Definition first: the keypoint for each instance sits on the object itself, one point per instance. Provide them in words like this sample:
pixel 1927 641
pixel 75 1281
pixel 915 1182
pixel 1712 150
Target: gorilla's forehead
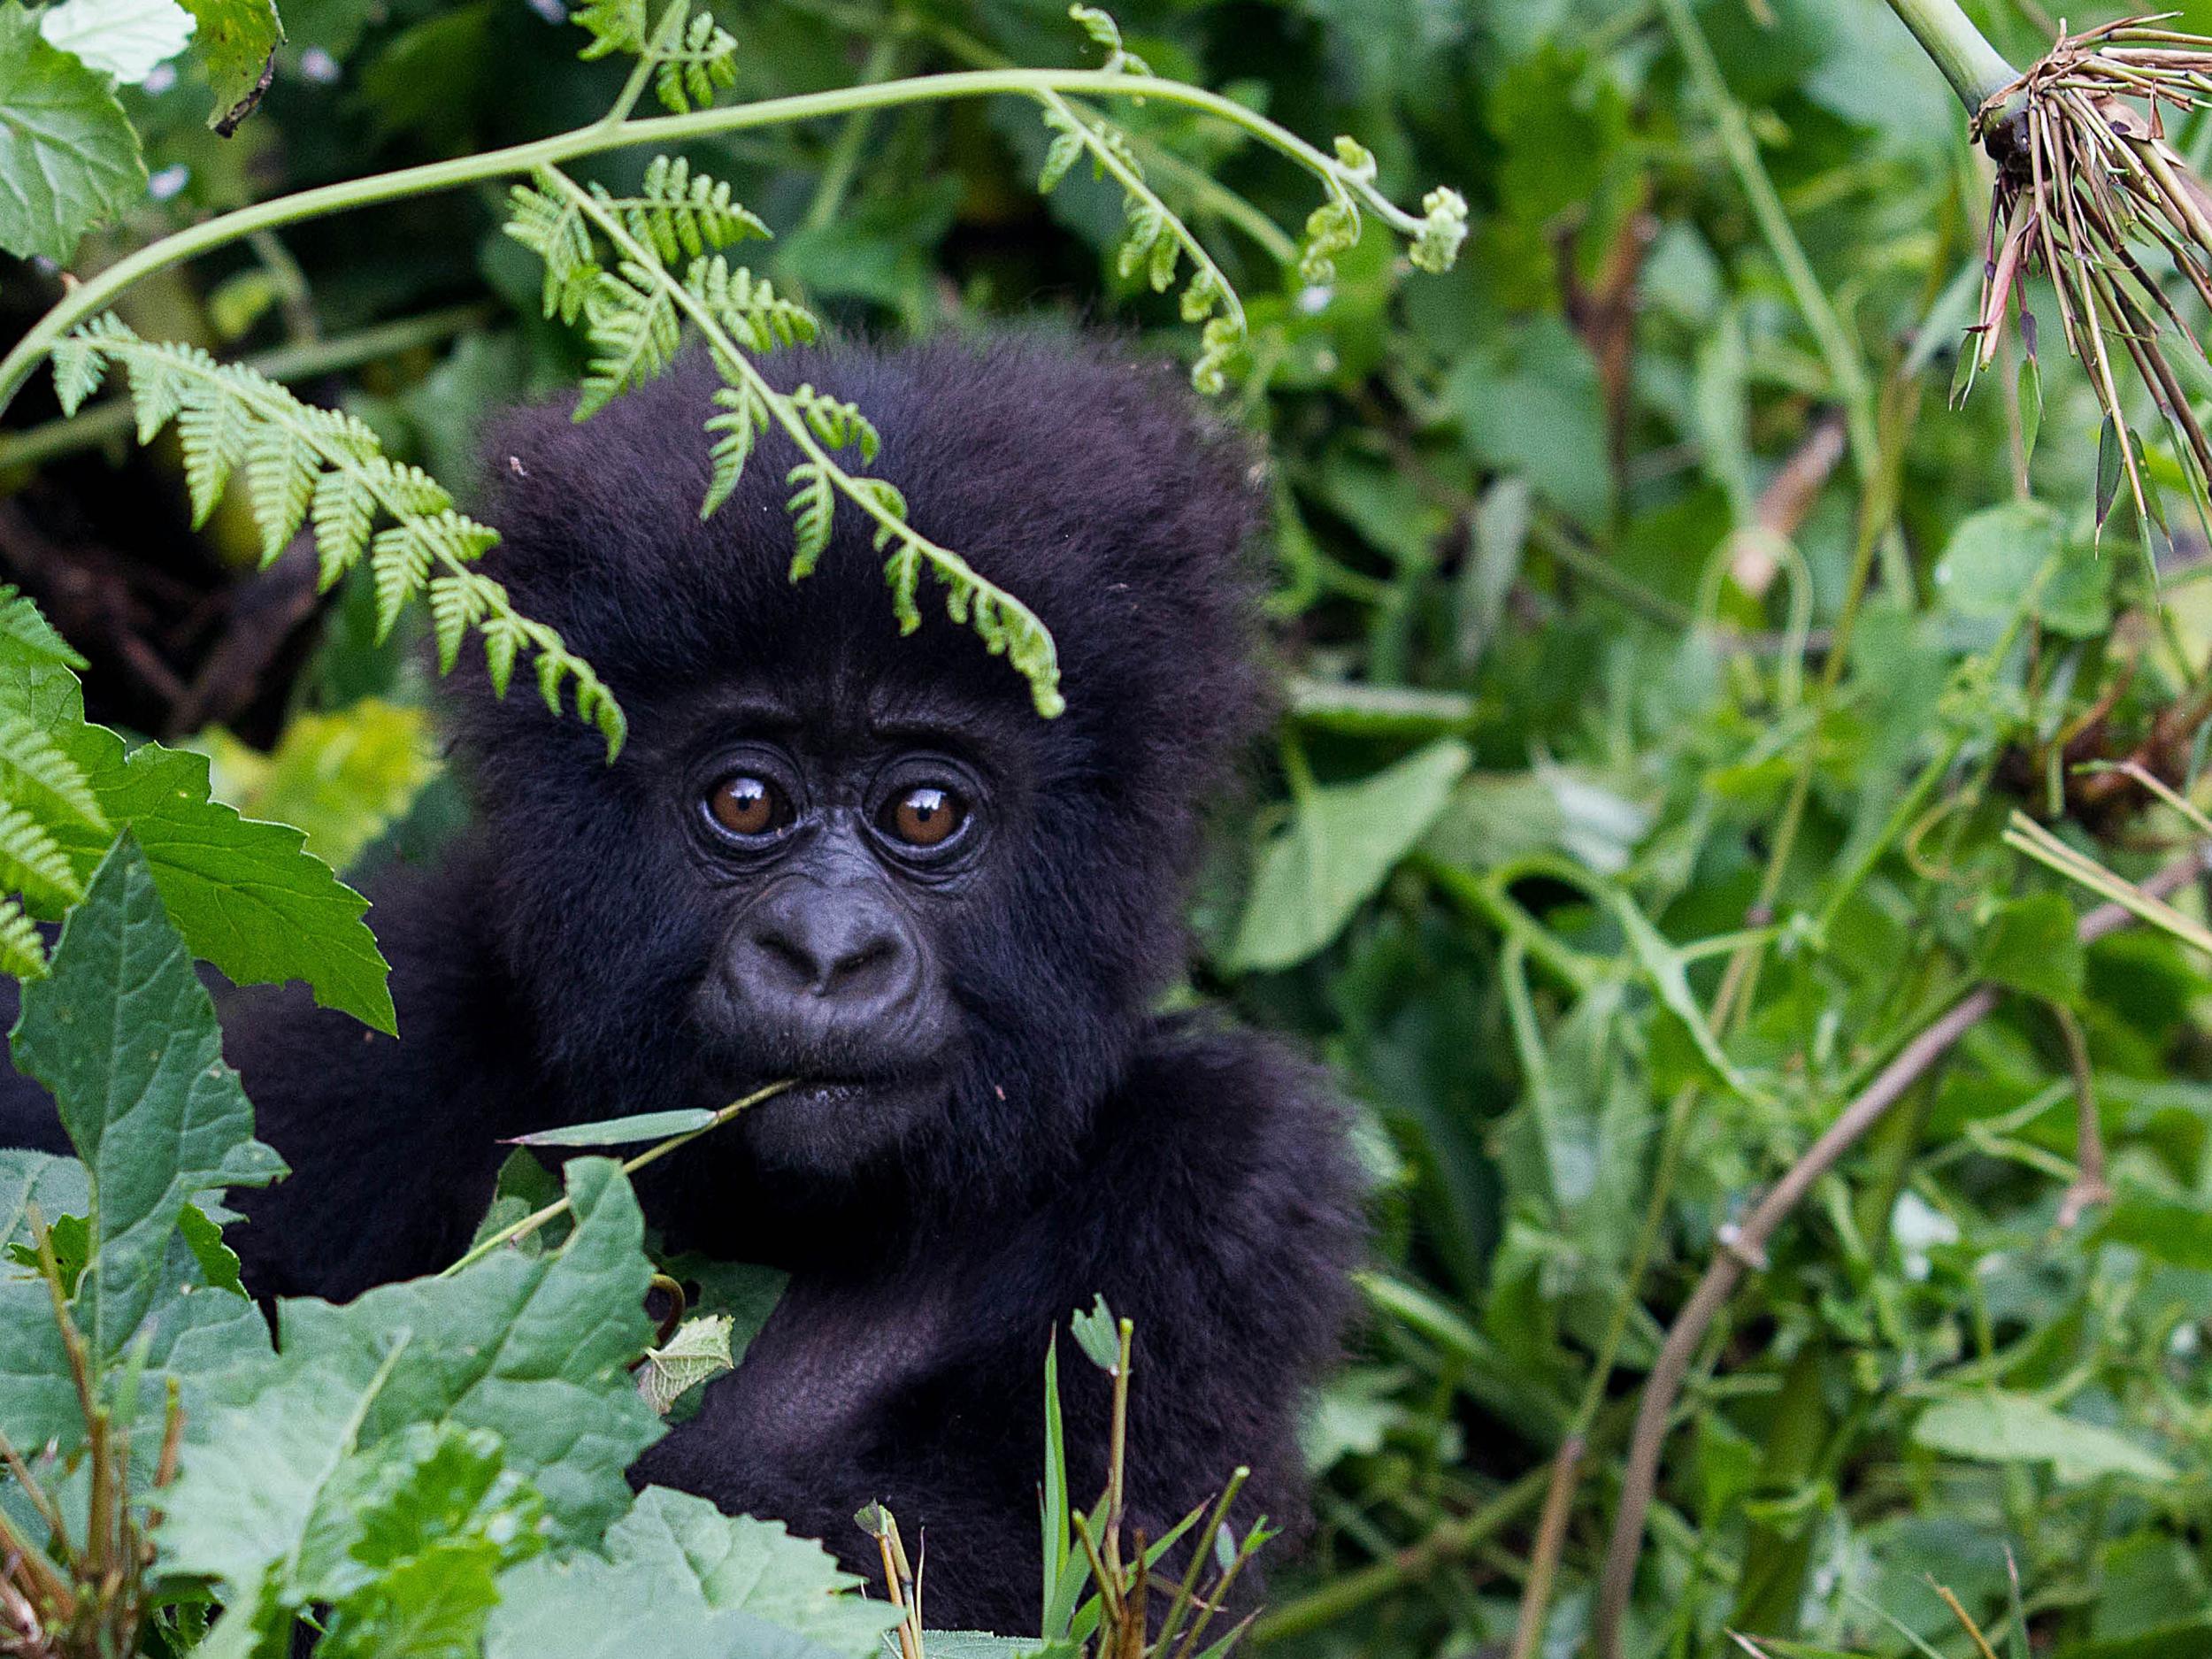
pixel 837 711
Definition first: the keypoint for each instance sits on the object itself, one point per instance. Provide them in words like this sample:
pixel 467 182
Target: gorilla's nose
pixel 824 956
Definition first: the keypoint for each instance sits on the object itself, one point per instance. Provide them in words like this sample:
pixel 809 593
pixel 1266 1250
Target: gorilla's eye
pixel 924 816
pixel 745 804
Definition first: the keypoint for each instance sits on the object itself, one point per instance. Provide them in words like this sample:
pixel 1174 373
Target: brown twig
pixel 1747 1244
pixel 2088 1186
pixel 1551 1538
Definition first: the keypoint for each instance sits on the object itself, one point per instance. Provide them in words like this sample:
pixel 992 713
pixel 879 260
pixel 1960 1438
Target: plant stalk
pixel 1975 68
pixel 94 294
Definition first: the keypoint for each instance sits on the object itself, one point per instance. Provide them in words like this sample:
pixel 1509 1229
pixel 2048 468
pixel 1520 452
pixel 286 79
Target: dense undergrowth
pixel 1688 715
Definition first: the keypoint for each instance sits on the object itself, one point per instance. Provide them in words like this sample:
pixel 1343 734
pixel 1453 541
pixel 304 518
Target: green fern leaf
pixel 454 607
pixel 616 25
pixel 837 423
pixel 216 431
pixel 679 214
pixel 553 228
pixel 22 952
pixel 1066 149
pixel 33 863
pixel 812 509
pixel 743 419
pixel 693 73
pixel 36 771
pixel 280 474
pixel 503 638
pixel 78 369
pixel 634 324
pixel 345 506
pixel 399 564
pixel 747 306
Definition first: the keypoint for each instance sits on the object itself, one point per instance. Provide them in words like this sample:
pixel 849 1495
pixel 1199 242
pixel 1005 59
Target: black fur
pixel 545 973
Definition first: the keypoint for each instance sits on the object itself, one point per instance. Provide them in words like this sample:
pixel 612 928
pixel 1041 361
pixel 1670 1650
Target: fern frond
pixel 345 507
pixel 836 422
pixel 633 322
pixel 214 431
pixel 744 416
pixel 813 509
pixel 1157 242
pixel 280 480
pixel 1103 31
pixel 679 214
pixel 31 763
pixel 77 370
pixel 325 467
pixel 553 228
pixel 32 861
pixel 739 314
pixel 747 306
pixel 692 73
pixel 22 952
pixel 616 25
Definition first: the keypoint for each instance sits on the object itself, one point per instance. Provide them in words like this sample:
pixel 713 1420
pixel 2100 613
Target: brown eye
pixel 747 805
pixel 924 816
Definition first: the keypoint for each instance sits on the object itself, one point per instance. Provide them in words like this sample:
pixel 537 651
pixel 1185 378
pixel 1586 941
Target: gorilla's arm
pixel 1216 1208
pixel 392 1145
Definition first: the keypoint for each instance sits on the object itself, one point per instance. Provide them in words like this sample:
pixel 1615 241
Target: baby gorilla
pixel 859 859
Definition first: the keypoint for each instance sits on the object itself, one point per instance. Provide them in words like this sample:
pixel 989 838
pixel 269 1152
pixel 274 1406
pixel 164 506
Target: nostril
pixel 789 955
pixel 857 967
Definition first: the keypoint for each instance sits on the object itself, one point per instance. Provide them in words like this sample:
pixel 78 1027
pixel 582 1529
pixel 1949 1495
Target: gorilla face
pixel 839 859
pixel 845 849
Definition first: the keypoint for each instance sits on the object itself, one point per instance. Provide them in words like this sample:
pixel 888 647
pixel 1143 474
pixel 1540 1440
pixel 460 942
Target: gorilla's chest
pixel 830 1360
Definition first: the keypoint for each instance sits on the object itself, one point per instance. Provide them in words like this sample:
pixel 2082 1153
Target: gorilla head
pixel 840 854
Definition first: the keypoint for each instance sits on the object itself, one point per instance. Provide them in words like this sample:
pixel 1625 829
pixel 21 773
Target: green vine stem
pixel 93 294
pixel 1975 68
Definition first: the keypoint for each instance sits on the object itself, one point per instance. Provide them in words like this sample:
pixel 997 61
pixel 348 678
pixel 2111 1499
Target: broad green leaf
pixel 124 1034
pixel 2190 1640
pixel 1342 841
pixel 251 1474
pixel 127 39
pixel 57 1185
pixel 677 1558
pixel 246 895
pixel 535 1349
pixel 68 157
pixel 401 1544
pixel 2165 1230
pixel 2029 946
pixel 2015 1428
pixel 1994 556
pixel 699 1350
pixel 237 40
pixel 975 1644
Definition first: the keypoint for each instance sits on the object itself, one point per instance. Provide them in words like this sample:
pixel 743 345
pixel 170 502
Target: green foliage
pixel 635 307
pixel 307 464
pixel 68 157
pixel 1667 664
pixel 186 1123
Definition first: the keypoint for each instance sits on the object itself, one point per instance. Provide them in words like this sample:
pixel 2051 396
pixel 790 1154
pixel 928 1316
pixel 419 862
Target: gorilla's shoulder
pixel 1249 1139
